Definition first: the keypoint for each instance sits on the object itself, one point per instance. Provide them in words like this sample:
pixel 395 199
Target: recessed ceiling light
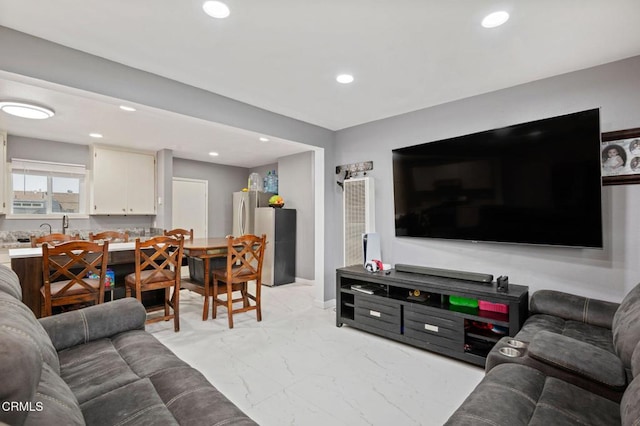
pixel 213 154
pixel 95 135
pixel 24 110
pixel 127 108
pixel 344 78
pixel 216 9
pixel 495 19
pixel 263 139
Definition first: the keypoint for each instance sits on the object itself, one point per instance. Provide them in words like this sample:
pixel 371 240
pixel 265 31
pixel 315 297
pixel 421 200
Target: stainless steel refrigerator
pixel 244 207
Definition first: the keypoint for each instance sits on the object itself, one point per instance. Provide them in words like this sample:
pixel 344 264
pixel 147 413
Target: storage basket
pixel 493 307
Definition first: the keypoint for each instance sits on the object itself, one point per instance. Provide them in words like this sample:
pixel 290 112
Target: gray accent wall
pixel 295 184
pixel 606 274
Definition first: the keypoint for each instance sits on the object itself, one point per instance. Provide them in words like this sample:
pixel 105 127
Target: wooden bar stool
pixel 53 239
pixel 111 236
pixel 158 262
pixel 68 271
pixel 180 232
pixel 244 264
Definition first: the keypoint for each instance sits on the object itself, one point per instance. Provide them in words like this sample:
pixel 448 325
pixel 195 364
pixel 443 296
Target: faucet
pixel 46 224
pixel 65 223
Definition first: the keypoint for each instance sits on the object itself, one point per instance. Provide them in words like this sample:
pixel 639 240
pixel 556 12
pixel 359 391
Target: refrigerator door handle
pixel 241 217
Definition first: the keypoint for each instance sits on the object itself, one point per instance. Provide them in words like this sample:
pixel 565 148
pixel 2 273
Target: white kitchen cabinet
pixel 124 183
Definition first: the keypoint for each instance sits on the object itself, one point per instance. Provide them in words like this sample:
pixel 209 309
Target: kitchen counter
pixel 17 253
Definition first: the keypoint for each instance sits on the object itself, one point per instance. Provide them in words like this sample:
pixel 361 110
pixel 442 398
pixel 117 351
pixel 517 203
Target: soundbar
pixel 446 273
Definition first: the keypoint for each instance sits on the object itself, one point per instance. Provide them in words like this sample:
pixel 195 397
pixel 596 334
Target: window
pixel 43 188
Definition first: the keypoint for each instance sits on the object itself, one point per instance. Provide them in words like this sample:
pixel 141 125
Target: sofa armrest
pixel 572 307
pixel 94 322
pixel 579 358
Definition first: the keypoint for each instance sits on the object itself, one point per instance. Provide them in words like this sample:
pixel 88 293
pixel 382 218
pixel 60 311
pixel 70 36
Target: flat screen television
pixel 530 183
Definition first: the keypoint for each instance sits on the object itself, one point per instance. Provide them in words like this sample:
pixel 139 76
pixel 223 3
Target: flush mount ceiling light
pixel 213 154
pixel 127 108
pixel 495 19
pixel 263 139
pixel 216 9
pixel 344 78
pixel 95 135
pixel 24 110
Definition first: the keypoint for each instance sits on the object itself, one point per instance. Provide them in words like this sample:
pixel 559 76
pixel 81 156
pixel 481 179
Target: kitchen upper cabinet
pixel 124 183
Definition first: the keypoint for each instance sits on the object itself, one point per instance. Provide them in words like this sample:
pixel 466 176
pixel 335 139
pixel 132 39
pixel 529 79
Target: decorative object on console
pixel 621 157
pixel 371 249
pixel 503 284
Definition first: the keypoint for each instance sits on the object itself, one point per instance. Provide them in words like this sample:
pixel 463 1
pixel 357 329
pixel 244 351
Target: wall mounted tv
pixel 530 183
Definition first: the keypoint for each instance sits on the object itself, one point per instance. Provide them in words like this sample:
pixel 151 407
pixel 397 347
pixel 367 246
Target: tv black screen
pixel 530 183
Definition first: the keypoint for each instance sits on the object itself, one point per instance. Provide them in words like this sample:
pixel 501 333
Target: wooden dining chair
pixel 69 269
pixel 180 232
pixel 244 264
pixel 111 236
pixel 157 263
pixel 53 239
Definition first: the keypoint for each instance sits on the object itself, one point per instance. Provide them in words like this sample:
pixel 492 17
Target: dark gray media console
pixel 429 320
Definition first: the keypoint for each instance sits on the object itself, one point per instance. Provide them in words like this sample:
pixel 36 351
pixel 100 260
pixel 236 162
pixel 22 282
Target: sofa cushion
pixel 136 403
pixel 592 334
pixel 54 403
pixel 629 406
pixel 94 369
pixel 101 372
pixel 17 319
pixel 189 397
pixel 10 283
pixel 579 358
pixel 20 369
pixel 512 394
pixel 104 320
pixel 626 326
pixel 573 307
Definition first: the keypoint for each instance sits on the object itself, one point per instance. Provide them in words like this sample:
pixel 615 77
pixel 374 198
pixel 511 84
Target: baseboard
pixel 327 304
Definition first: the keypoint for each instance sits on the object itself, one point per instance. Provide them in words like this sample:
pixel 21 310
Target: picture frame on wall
pixel 620 154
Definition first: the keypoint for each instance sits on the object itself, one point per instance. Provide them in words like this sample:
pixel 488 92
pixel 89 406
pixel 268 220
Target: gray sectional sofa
pixel 575 361
pixel 97 366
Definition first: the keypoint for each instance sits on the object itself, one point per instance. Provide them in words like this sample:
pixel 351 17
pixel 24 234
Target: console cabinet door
pixel 123 182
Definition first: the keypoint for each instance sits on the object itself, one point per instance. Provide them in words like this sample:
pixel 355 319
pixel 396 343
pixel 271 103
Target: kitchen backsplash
pixel 10 239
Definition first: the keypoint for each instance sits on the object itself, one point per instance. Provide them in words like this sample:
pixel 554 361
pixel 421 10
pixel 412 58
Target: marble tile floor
pixel 297 368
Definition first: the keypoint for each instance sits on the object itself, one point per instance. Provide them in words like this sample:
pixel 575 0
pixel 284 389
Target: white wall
pixel 607 274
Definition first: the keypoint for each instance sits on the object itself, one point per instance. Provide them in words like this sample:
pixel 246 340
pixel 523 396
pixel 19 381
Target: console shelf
pixel 386 305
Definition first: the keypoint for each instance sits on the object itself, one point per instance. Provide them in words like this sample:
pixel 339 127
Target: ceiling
pixel 284 55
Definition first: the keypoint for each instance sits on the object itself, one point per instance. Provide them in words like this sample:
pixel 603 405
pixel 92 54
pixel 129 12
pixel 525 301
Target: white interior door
pixel 190 206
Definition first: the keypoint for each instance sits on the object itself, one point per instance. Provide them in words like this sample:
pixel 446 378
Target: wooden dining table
pixel 203 249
